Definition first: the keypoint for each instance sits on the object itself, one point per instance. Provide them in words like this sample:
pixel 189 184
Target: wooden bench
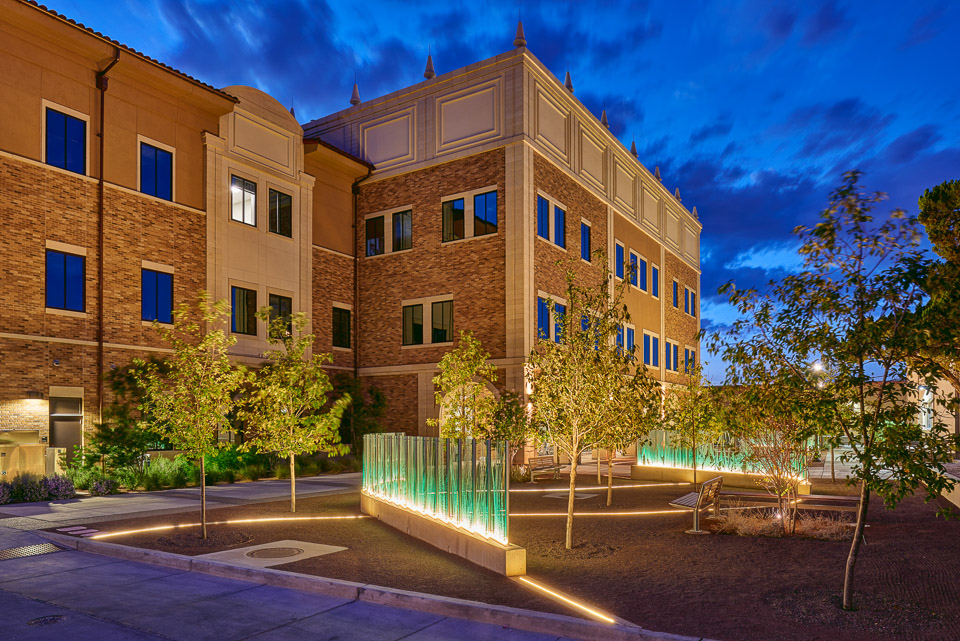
pixel 543 464
pixel 804 501
pixel 708 496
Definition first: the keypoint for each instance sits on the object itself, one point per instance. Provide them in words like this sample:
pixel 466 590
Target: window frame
pixel 83 279
pixel 426 316
pixel 243 210
pixel 254 320
pixel 676 294
pixel 284 296
pixel 689 302
pixel 166 272
pixel 433 322
pixel 469 213
pixel 341 307
pixel 271 192
pixel 73 113
pixel 403 213
pixel 655 280
pixel 496 213
pixel 653 340
pixel 383 235
pixel 671 363
pixel 159 146
pixel 554 206
pixel 586 256
pixel 619 260
pixel 387 215
pixel 552 303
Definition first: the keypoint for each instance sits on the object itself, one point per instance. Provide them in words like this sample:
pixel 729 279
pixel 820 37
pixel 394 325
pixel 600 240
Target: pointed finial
pixel 695 214
pixel 603 119
pixel 633 148
pixel 568 82
pixel 292 112
pixel 520 40
pixel 355 98
pixel 656 173
pixel 429 73
pixel 676 195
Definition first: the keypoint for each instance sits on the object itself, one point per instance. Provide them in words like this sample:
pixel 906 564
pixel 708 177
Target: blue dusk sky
pixel 754 109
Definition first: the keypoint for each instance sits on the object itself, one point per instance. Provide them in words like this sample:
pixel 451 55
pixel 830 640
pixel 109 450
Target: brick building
pixel 393 224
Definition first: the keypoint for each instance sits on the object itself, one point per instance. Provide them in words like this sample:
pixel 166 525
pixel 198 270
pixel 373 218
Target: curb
pixel 517 618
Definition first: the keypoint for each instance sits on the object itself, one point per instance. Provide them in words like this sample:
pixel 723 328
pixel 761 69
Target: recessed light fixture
pixel 35 395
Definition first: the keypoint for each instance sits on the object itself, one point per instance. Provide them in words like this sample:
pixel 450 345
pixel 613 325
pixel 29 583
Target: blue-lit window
pixel 156 172
pixel 655 280
pixel 243 311
pixel 686 300
pixel 666 357
pixel 676 357
pixel 66 142
pixel 452 220
pixel 655 351
pixel 633 269
pixel 543 217
pixel 646 349
pixel 65 281
pixel 642 267
pixel 693 304
pixel 559 227
pixel 675 295
pixel 560 311
pixel 485 214
pixel 630 339
pixel 585 241
pixel 543 319
pixel 157 296
pixel 689 360
pixel 620 339
pixel 618 259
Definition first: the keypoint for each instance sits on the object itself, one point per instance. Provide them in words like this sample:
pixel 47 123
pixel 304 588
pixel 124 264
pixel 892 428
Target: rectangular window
pixel 281 307
pixel 693 304
pixel 619 260
pixel 543 218
pixel 442 321
pixel 66 142
pixel 655 281
pixel 543 319
pixel 375 236
pixel 633 269
pixel 453 220
pixel 244 198
pixel 156 171
pixel 65 281
pixel 341 327
pixel 585 241
pixel 620 339
pixel 675 299
pixel 157 296
pixel 689 360
pixel 655 351
pixel 485 214
pixel 281 213
pixel 642 266
pixel 413 325
pixel 559 311
pixel 646 349
pixel 243 316
pixel 676 357
pixel 686 300
pixel 402 230
pixel 666 357
pixel 630 339
pixel 559 227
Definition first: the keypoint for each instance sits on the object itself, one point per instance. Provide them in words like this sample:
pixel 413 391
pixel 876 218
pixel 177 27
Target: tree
pixel 512 421
pixel 691 411
pixel 361 414
pixel 188 401
pixel 467 406
pixel 940 214
pixel 850 306
pixel 285 410
pixel 584 384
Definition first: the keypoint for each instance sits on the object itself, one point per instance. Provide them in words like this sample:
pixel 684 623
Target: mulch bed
pixel 645 569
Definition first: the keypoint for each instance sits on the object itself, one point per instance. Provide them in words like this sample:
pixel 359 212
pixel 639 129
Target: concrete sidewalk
pixel 36 516
pixel 76 595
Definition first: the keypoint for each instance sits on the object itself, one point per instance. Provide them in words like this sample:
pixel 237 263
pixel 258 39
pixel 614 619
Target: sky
pixel 753 109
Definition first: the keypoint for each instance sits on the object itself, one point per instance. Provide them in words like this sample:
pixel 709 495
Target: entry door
pixel 66 433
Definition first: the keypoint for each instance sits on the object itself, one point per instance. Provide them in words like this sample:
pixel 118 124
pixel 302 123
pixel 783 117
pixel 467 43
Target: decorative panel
pixel 391 140
pixel 551 124
pixel 261 141
pixel 469 116
pixel 651 209
pixel 673 228
pixel 691 242
pixel 591 159
pixel 624 187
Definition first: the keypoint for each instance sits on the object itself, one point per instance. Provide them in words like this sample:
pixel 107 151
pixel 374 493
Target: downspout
pixel 356 276
pixel 102 86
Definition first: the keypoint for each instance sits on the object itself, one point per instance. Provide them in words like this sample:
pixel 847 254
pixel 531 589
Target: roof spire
pixel 429 73
pixel 520 40
pixel 292 112
pixel 695 215
pixel 656 173
pixel 355 98
pixel 633 148
pixel 676 195
pixel 568 82
pixel 603 119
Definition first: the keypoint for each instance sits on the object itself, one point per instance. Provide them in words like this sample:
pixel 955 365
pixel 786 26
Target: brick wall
pixel 332 282
pixel 400 393
pixel 680 327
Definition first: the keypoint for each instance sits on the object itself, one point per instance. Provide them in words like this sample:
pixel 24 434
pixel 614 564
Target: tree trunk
pixel 855 547
pixel 596 458
pixel 573 491
pixel 203 498
pixel 609 480
pixel 293 486
pixel 833 476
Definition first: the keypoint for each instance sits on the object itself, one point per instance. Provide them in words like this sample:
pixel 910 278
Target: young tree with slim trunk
pixel 188 400
pixel 691 410
pixel 286 410
pixel 467 405
pixel 851 307
pixel 583 384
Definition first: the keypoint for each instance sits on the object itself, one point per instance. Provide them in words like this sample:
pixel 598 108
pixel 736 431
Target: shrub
pixel 104 487
pixel 59 488
pixel 27 488
pixel 82 477
pixel 826 528
pixel 4 493
pixel 254 472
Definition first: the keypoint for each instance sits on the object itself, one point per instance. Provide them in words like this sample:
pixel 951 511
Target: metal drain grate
pixel 273 553
pixel 28 550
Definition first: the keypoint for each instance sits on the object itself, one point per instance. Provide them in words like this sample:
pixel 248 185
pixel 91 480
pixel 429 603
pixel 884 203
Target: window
pixel 402 230
pixel 620 339
pixel 543 218
pixel 655 281
pixel 413 325
pixel 619 259
pixel 157 296
pixel 689 360
pixel 243 312
pixel 560 312
pixel 375 236
pixel 65 281
pixel 633 269
pixel 585 250
pixel 453 220
pixel 693 304
pixel 244 195
pixel 442 321
pixel 341 327
pixel 676 357
pixel 543 319
pixel 156 171
pixel 281 307
pixel 66 142
pixel 643 274
pixel 690 302
pixel 485 214
pixel 559 227
pixel 686 300
pixel 667 362
pixel 630 339
pixel 654 360
pixel 646 348
pixel 675 303
pixel 281 213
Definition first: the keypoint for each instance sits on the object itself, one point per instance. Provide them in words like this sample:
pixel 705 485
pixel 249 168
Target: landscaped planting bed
pixel 644 568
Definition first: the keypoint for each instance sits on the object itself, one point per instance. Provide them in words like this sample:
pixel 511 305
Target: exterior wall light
pixel 35 396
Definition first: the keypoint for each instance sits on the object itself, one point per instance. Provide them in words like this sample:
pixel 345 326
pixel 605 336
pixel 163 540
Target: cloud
pixel 925 28
pixel 909 145
pixel 779 23
pixel 716 129
pixel 624 113
pixel 827 20
pixel 848 124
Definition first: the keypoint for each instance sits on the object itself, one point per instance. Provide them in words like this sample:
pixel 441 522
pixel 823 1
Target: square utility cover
pixel 269 554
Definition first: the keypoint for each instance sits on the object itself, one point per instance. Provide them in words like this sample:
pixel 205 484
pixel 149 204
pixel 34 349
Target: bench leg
pixel 696 524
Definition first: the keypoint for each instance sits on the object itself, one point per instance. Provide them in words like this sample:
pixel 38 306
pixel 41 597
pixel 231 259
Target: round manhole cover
pixel 47 620
pixel 273 553
pixel 566 495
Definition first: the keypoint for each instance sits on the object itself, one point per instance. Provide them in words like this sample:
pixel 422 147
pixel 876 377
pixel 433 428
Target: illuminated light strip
pixel 714 469
pixel 463 525
pixel 599 487
pixel 161 528
pixel 601 513
pixel 580 606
